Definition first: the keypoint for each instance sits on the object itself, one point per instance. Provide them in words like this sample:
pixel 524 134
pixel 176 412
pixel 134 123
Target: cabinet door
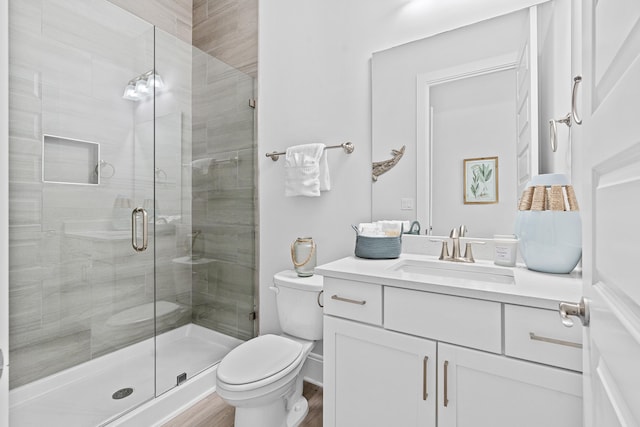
pixel 482 389
pixel 374 377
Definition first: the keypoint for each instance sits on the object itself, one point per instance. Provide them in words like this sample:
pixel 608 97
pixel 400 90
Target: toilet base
pixel 272 415
pixel 298 412
pixel 286 411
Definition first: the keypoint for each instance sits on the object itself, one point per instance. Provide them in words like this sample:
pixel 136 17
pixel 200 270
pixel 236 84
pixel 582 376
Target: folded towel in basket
pixel 383 228
pixel 306 170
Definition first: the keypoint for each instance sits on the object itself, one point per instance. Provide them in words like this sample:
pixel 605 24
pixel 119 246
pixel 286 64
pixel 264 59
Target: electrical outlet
pixel 406 204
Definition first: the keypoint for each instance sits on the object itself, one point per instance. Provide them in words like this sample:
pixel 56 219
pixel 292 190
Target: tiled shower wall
pixel 228 30
pixel 172 16
pixel 70 270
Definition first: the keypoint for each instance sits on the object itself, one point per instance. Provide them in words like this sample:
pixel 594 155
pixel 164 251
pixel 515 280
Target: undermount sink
pixel 455 270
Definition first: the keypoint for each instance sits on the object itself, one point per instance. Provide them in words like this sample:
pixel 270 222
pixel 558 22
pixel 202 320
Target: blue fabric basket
pixel 377 247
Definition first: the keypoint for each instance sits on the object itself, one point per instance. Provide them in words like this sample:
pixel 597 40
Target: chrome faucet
pixel 455 255
pixel 455 239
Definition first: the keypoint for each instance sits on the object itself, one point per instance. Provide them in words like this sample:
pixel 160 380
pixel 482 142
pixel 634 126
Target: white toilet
pixel 263 377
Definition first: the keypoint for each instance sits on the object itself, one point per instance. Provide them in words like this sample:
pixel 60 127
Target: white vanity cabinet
pixel 406 357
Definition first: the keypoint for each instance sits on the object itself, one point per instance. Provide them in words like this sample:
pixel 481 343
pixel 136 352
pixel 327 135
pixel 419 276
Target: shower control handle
pixel 134 229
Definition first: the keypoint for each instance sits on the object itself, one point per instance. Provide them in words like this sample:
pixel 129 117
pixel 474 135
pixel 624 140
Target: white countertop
pixel 531 288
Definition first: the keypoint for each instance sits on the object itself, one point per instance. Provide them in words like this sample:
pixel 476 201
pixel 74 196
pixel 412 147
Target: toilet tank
pixel 298 302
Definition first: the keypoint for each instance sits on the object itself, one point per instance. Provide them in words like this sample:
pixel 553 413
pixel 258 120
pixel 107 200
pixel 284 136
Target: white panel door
pixel 4 214
pixel 377 378
pixel 610 149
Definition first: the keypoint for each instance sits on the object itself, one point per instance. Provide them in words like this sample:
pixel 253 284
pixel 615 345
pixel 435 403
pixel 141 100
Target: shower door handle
pixel 134 229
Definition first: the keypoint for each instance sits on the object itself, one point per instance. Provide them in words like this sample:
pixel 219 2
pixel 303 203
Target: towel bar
pixel 348 148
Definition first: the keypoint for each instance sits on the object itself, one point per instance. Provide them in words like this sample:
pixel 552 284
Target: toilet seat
pixel 260 361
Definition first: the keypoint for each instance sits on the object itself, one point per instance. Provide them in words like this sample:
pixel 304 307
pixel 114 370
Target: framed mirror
pixel 467 93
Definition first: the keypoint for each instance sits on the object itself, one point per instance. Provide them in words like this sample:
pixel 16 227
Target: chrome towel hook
pixel 553 130
pixel 574 100
pixel 98 170
pixel 571 117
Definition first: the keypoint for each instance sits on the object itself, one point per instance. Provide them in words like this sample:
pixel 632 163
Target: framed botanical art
pixel 481 180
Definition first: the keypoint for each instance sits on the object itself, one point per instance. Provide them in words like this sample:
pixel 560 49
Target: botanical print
pixel 481 180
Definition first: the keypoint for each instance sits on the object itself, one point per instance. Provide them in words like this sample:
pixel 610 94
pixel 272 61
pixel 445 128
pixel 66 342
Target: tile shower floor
pixel 82 396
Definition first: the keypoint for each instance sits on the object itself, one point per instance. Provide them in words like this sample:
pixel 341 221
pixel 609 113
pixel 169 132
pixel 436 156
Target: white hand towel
pixel 369 229
pixel 393 227
pixel 302 170
pixel 325 181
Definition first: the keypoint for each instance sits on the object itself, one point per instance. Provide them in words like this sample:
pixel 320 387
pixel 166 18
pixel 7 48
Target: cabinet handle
pixel 424 378
pixel 446 394
pixel 535 337
pixel 351 301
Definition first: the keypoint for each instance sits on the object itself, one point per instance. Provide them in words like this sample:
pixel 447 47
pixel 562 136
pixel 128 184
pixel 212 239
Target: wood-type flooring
pixel 212 411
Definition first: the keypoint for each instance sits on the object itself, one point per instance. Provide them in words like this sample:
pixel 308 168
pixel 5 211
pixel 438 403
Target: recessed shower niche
pixel 70 161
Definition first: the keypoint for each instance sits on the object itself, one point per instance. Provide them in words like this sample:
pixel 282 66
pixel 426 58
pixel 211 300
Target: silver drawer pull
pixel 446 383
pixel 425 393
pixel 535 337
pixel 351 301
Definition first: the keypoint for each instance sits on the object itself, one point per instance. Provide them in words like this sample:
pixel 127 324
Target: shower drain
pixel 122 393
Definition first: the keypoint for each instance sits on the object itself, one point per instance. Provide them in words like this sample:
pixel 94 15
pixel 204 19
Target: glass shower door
pixel 205 211
pixel 81 274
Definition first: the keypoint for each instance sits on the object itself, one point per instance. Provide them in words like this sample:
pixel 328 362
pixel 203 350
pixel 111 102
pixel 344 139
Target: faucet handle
pixel 468 255
pixel 444 252
pixel 463 230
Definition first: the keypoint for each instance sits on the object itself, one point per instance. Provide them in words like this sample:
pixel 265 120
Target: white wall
pixel 314 86
pixel 474 118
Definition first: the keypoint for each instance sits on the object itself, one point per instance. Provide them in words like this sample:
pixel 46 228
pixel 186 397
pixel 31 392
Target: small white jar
pixel 506 249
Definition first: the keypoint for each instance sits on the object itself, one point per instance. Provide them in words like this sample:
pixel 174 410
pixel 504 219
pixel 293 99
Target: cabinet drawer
pixel 464 321
pixel 539 335
pixel 353 300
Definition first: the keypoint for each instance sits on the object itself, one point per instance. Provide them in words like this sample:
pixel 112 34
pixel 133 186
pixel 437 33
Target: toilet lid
pixel 290 279
pixel 258 358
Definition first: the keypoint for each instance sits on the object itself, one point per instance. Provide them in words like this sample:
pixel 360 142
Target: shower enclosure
pixel 132 212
